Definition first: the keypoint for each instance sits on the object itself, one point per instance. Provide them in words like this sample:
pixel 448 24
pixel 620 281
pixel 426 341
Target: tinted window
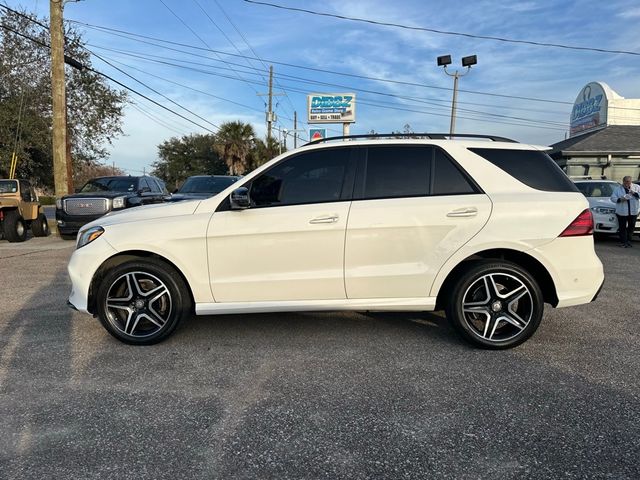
pixel 311 177
pixel 144 184
pixel 596 189
pixel 8 186
pixel 153 185
pixel 118 184
pixel 447 177
pixel 533 168
pixel 161 184
pixel 397 171
pixel 206 184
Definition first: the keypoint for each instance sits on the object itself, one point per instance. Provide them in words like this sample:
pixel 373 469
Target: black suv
pixel 104 194
pixel 199 187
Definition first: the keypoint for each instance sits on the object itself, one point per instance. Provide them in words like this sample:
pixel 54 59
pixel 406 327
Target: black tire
pixel 14 227
pixel 495 304
pixel 147 300
pixel 40 226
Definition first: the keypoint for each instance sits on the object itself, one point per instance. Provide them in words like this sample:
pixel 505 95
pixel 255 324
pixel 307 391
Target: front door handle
pixel 324 219
pixel 463 212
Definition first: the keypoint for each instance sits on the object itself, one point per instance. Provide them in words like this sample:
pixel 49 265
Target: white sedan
pixel 598 193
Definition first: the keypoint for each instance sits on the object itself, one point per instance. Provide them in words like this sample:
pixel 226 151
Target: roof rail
pixel 432 136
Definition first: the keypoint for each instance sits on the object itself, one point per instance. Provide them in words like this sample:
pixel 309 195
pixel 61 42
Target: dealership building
pixel 604 136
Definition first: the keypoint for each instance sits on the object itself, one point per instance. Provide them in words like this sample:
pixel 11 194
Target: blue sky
pixel 300 39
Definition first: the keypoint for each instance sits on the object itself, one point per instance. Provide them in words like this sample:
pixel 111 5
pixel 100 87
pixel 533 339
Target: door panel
pixel 395 247
pixel 282 253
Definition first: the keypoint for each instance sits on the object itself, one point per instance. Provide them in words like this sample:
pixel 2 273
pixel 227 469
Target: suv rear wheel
pixel 495 304
pixel 14 228
pixel 141 302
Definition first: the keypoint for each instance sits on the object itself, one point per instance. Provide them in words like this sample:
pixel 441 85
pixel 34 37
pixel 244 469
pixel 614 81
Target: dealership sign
pixel 331 108
pixel 590 109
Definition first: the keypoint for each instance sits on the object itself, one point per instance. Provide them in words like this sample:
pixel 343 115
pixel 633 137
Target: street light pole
pixel 467 62
pixel 454 102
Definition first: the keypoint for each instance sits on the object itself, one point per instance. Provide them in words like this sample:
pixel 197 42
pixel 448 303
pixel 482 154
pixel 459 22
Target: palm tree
pixel 263 151
pixel 234 142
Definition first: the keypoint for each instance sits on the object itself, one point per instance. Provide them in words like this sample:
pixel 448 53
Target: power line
pixel 42 44
pixel 444 32
pixel 161 59
pixel 154 90
pixel 157 120
pixel 244 39
pixel 340 86
pixel 137 37
pixel 199 37
pixel 182 85
pixel 347 87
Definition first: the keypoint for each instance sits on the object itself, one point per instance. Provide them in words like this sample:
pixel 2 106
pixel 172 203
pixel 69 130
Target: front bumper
pixel 82 267
pixel 605 223
pixel 71 224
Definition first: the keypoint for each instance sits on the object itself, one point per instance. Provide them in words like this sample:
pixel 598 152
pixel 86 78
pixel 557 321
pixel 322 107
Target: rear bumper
pixel 598 292
pixel 576 270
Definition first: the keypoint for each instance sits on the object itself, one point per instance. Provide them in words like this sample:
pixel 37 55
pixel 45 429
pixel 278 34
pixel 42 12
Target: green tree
pixel 194 154
pixel 262 152
pixel 94 109
pixel 234 143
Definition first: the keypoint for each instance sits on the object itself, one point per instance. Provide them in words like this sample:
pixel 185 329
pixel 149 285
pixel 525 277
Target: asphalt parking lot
pixel 328 395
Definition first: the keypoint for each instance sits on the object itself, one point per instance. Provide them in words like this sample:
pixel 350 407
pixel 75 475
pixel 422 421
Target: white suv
pixel 487 230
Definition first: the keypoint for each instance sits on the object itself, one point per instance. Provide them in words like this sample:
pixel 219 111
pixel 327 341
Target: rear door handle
pixel 463 212
pixel 324 219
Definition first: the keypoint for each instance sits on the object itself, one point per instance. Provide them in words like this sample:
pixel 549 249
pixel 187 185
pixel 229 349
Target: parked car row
pixel 103 195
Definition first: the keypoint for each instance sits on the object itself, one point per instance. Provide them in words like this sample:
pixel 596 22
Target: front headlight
pixel 59 203
pixel 604 210
pixel 119 202
pixel 88 236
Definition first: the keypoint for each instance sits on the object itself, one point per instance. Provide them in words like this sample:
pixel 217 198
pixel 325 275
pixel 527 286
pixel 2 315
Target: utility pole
pixel 295 129
pixel 271 116
pixel 270 111
pixel 60 169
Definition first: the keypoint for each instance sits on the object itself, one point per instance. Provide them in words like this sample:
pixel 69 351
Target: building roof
pixel 614 139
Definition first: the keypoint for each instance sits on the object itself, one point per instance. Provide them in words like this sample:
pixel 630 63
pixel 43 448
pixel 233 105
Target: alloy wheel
pixel 497 307
pixel 138 304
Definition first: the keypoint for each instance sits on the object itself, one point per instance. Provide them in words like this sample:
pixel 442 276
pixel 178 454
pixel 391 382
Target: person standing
pixel 627 200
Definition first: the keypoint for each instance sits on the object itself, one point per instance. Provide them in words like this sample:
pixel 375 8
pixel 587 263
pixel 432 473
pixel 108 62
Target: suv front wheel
pixel 141 302
pixel 495 304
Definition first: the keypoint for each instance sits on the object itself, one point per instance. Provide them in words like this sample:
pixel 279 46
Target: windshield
pixel 8 186
pixel 209 185
pixel 597 189
pixel 111 185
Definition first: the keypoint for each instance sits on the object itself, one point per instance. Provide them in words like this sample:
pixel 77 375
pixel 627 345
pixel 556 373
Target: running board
pixel 373 304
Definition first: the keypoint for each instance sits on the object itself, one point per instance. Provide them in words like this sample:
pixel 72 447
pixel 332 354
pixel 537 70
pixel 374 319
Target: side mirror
pixel 239 199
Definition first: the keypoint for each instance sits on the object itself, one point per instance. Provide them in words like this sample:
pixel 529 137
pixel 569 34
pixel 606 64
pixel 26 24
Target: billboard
pixel 331 108
pixel 589 110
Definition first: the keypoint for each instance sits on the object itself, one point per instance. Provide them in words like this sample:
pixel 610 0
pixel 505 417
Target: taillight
pixel 582 225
